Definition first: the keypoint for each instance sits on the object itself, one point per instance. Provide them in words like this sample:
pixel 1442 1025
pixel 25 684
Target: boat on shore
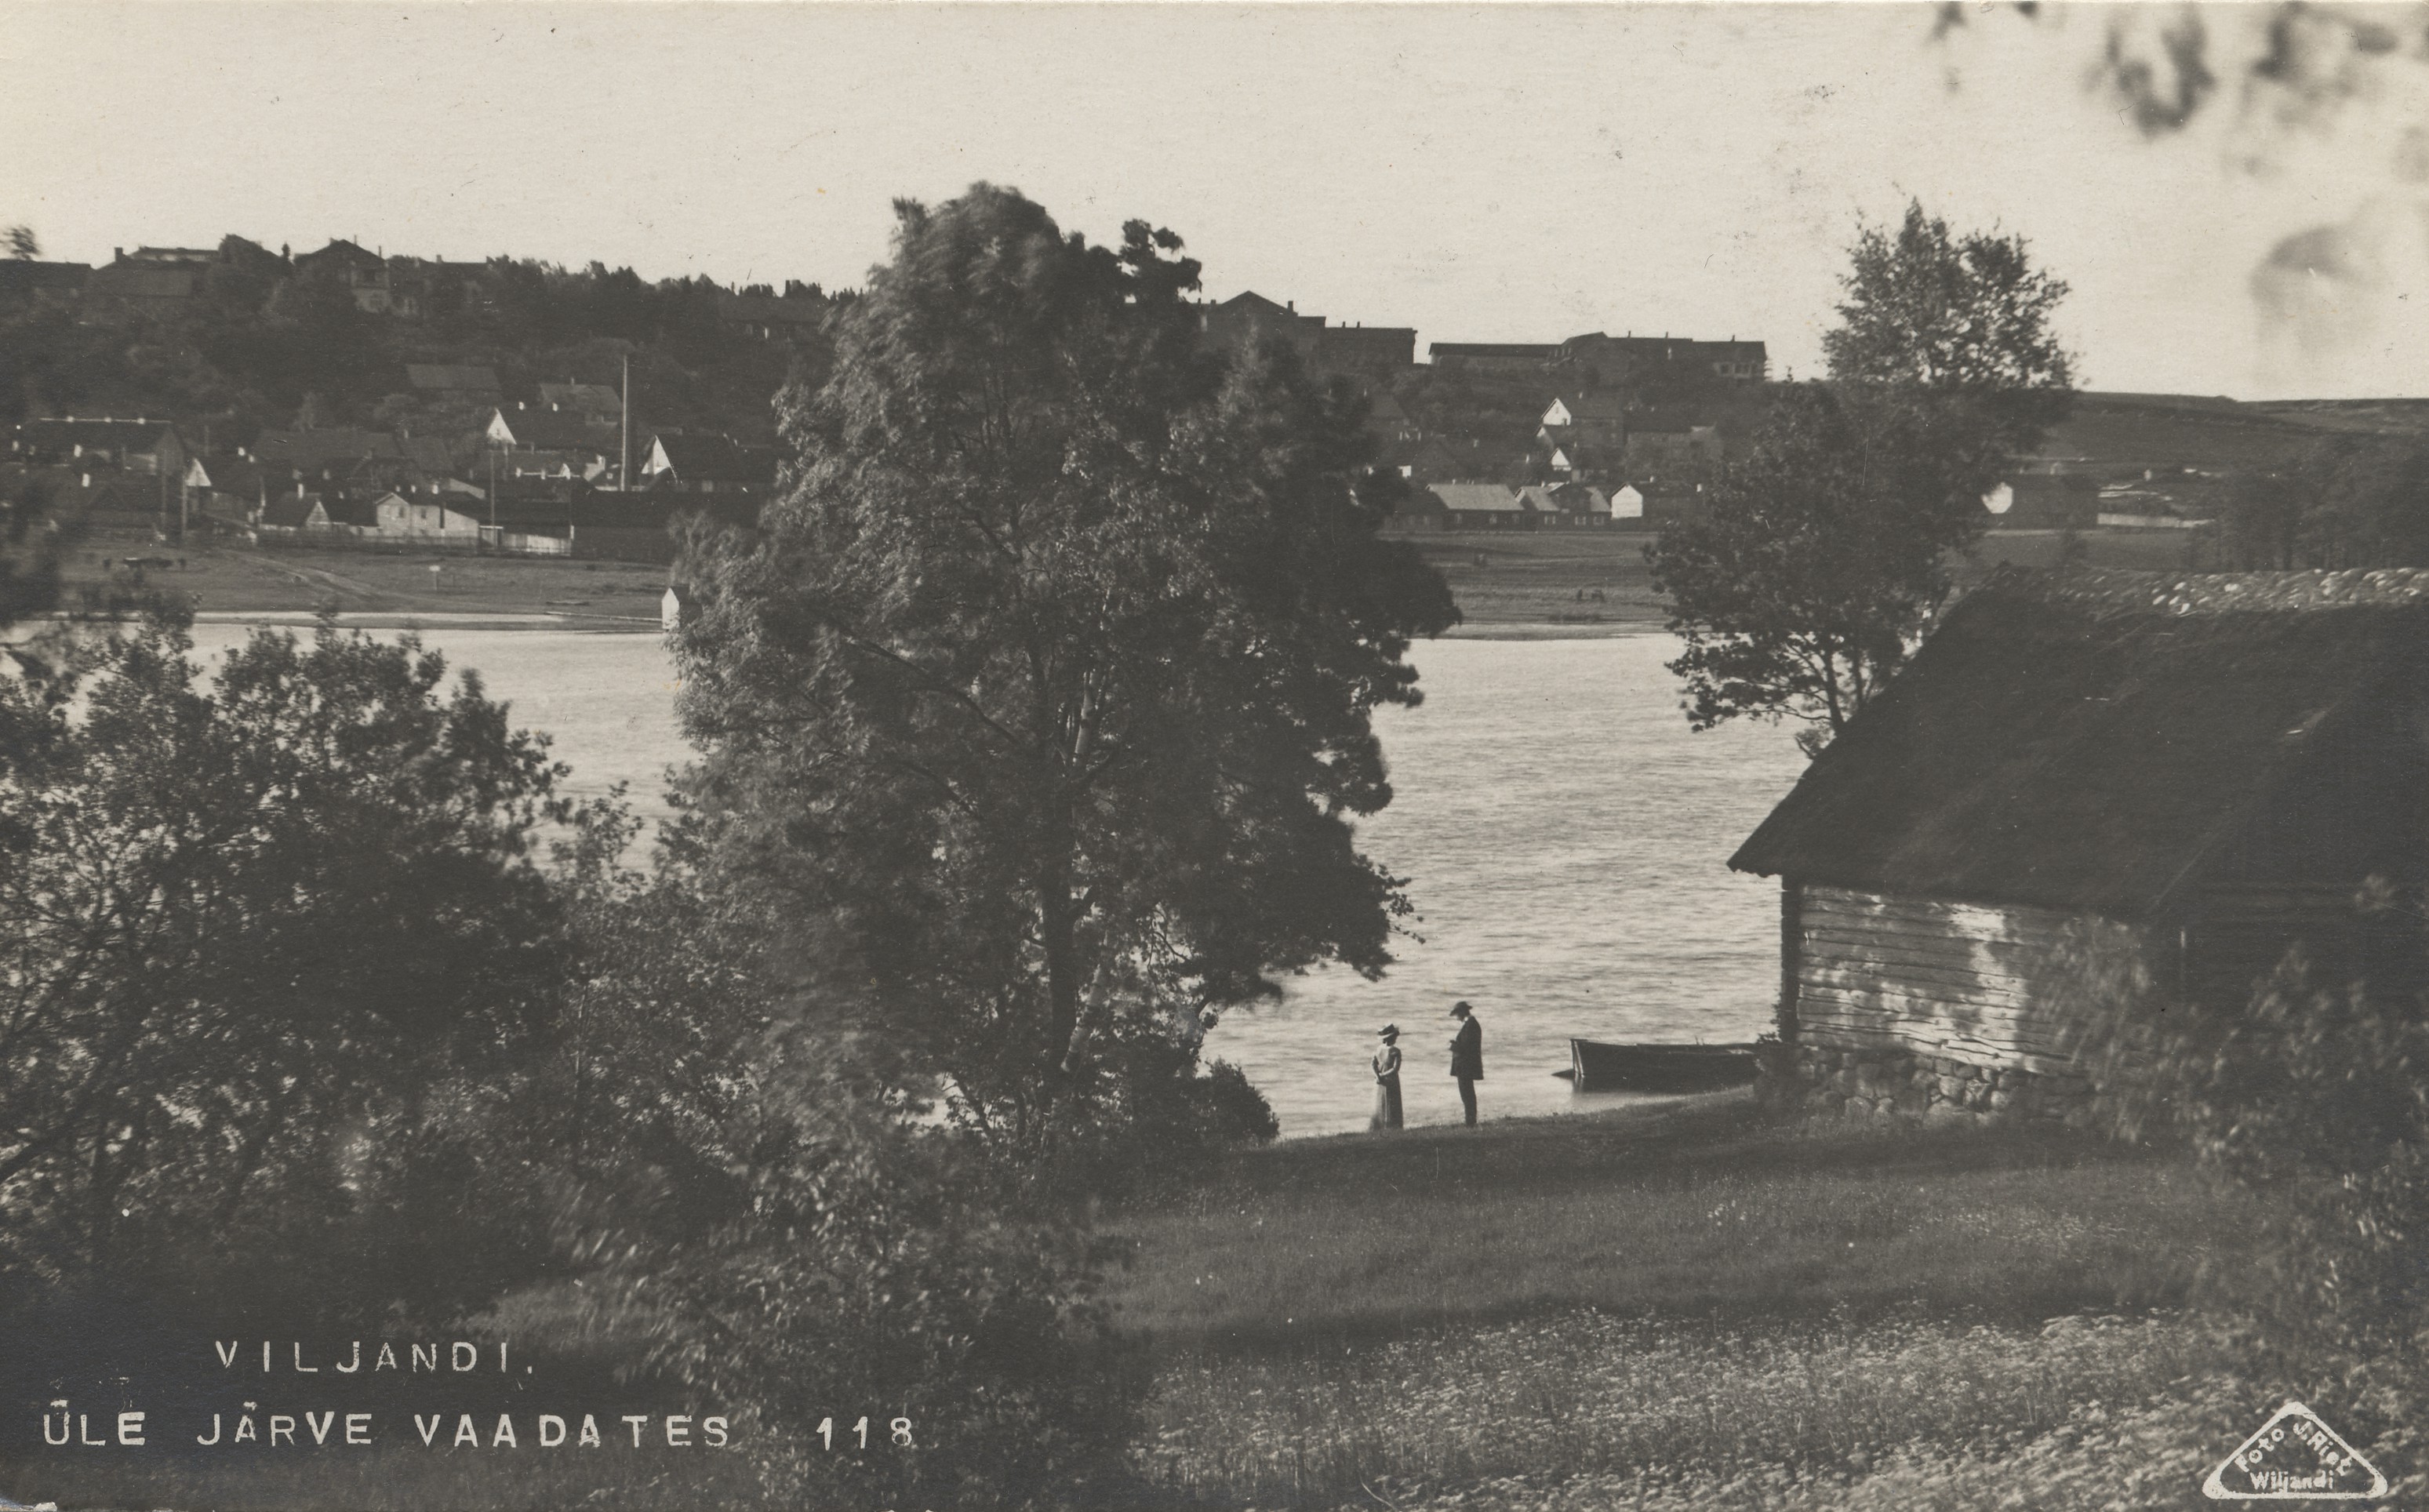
pixel 1598 1066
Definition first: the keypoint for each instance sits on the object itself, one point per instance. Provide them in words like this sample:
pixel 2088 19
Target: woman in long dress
pixel 1387 1080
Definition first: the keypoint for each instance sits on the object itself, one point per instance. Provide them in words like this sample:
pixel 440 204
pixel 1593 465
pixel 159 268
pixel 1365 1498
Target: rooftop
pixel 2085 742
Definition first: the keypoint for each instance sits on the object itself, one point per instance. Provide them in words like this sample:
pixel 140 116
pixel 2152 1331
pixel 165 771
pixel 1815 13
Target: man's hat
pixel 1389 1029
pixel 1459 1007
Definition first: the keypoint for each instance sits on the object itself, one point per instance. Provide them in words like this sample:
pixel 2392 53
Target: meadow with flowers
pixel 1684 1306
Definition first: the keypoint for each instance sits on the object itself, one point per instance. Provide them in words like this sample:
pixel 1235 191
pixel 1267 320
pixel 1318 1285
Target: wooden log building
pixel 2104 796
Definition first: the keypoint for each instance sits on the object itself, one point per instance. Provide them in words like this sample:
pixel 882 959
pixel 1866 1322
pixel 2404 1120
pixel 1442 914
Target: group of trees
pixel 1032 730
pixel 260 337
pixel 2355 501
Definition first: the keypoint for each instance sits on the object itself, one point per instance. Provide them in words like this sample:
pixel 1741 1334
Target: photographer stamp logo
pixel 2295 1457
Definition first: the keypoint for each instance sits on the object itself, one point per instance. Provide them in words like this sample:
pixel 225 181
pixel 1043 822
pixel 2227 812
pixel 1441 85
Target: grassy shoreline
pixel 1674 1308
pixel 1677 1307
pixel 1518 584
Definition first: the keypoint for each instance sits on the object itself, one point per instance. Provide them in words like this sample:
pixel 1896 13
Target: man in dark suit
pixel 1467 1057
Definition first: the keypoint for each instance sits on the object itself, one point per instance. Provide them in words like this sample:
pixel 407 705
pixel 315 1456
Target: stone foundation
pixel 1905 1085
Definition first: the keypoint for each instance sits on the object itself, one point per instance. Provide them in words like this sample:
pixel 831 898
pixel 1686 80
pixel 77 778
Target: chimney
pixel 118 254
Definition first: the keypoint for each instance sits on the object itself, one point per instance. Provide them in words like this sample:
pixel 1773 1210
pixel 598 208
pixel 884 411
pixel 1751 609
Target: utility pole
pixel 625 462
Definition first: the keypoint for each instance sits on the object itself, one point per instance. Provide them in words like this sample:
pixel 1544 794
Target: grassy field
pixel 1685 1307
pixel 1670 1308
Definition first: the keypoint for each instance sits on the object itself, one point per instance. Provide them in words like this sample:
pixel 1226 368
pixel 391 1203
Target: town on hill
pixel 350 397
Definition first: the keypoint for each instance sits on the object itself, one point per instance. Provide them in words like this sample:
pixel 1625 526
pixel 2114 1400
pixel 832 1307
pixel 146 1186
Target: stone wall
pixel 1878 1083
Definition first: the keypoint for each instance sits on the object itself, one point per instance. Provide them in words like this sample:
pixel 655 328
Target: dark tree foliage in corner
pixel 261 935
pixel 1825 553
pixel 1047 690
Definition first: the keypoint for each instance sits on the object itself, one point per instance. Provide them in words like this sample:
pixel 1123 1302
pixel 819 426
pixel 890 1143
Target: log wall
pixel 1914 1007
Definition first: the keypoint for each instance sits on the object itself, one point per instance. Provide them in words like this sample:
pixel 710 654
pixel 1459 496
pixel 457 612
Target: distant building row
pixel 511 486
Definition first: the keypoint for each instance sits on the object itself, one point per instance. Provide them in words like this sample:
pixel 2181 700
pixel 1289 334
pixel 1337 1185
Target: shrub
pixel 2315 1102
pixel 863 1265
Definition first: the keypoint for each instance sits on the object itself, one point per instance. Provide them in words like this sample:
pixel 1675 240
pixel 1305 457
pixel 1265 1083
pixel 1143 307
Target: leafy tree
pixel 1824 552
pixel 24 246
pixel 1824 555
pixel 1965 317
pixel 1045 692
pixel 251 928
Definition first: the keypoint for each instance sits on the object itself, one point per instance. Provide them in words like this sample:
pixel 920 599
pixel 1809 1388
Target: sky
pixel 1503 172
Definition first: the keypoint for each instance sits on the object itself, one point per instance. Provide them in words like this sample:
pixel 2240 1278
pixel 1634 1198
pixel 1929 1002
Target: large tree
pixel 1045 693
pixel 1825 550
pixel 1964 318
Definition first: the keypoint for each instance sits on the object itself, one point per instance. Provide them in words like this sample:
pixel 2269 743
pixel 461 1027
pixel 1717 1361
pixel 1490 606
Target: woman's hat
pixel 1389 1029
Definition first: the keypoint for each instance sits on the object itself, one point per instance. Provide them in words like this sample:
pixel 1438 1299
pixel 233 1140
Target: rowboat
pixel 1597 1066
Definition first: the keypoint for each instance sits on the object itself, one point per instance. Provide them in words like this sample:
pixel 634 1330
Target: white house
pixel 1628 503
pixel 398 517
pixel 1599 417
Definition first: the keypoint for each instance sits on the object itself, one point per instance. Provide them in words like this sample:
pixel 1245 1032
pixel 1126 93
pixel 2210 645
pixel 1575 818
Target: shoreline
pixel 306 618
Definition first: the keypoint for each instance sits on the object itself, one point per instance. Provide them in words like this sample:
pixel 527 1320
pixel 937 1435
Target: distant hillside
pixel 2409 417
pixel 2113 434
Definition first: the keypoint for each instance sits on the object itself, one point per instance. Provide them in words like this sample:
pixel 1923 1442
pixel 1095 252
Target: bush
pixel 266 938
pixel 2315 1103
pixel 762 1219
pixel 865 1266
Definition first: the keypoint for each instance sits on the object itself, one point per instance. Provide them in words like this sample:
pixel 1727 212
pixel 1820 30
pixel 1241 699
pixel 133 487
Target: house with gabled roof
pixel 86 442
pixel 424 515
pixel 2091 800
pixel 116 502
pixel 1482 506
pixel 362 272
pixel 525 428
pixel 595 401
pixel 770 316
pixel 160 281
pixel 1357 350
pixel 1388 420
pixel 291 513
pixel 1492 356
pixel 1597 416
pixel 707 464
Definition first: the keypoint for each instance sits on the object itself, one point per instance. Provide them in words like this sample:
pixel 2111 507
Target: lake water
pixel 1563 832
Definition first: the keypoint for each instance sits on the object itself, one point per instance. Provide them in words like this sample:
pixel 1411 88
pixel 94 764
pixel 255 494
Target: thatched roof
pixel 2085 744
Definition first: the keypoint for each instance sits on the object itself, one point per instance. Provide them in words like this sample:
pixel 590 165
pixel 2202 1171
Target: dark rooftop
pixel 2084 743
